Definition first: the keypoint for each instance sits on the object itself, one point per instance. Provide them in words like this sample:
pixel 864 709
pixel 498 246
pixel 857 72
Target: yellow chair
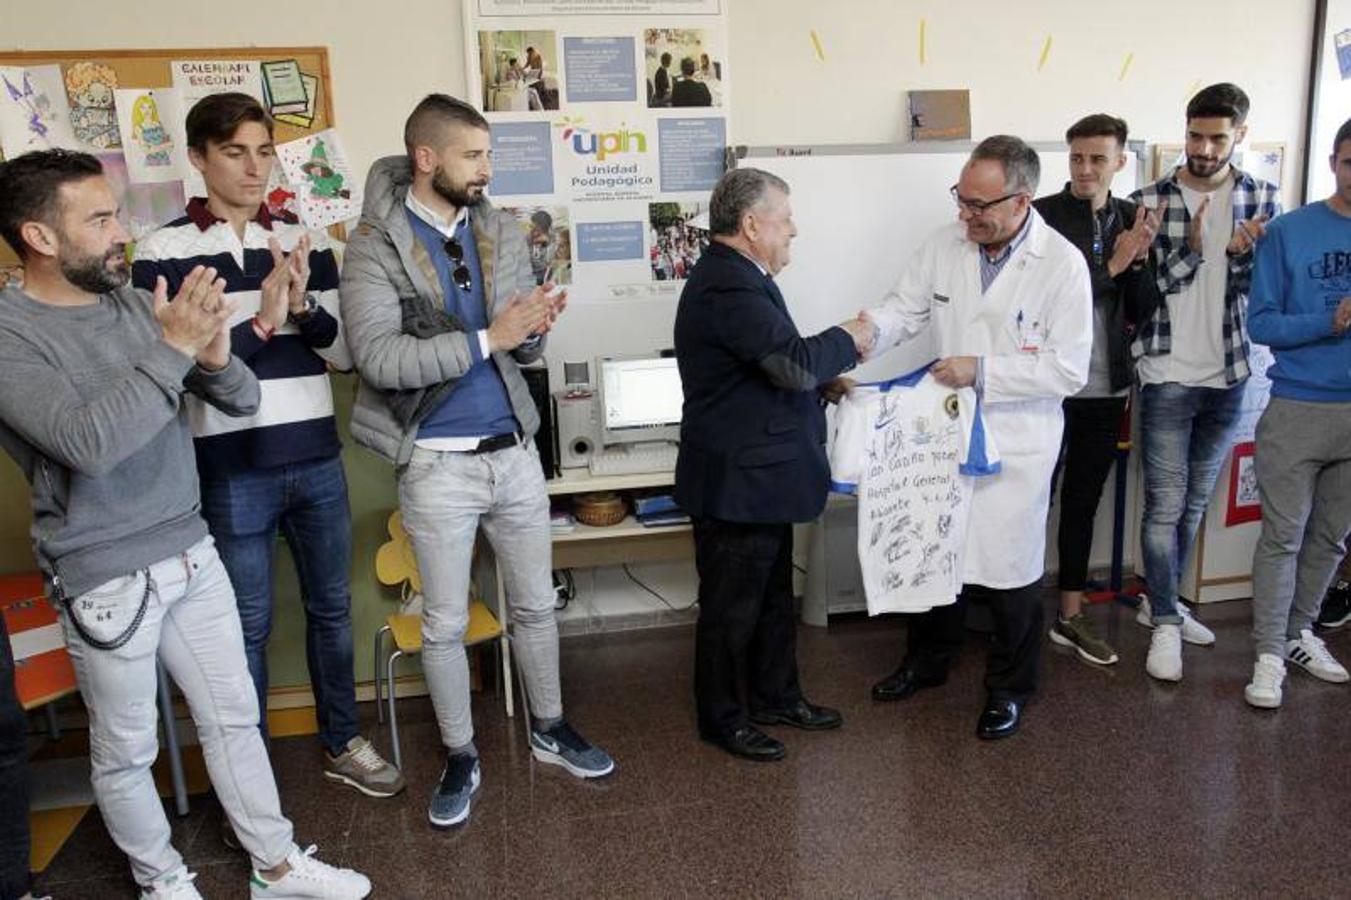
pixel 395 564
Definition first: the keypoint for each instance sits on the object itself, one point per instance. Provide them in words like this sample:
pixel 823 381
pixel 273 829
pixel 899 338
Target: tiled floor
pixel 1117 786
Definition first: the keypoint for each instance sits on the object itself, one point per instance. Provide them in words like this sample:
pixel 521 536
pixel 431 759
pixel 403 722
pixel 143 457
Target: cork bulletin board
pixel 131 68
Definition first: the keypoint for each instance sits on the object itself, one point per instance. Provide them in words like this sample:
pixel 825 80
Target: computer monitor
pixel 640 399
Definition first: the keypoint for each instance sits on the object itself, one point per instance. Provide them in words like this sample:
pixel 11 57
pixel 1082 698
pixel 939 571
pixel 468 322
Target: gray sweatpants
pixel 1304 477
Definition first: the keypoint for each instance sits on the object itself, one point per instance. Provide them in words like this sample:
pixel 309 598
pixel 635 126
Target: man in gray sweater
pixel 91 408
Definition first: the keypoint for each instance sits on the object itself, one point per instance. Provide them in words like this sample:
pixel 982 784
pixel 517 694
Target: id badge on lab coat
pixel 1031 334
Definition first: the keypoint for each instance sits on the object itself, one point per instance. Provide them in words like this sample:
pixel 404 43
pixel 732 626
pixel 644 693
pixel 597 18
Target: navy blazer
pixel 753 431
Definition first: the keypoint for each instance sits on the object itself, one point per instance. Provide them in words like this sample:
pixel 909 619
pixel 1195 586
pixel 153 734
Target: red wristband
pixel 262 329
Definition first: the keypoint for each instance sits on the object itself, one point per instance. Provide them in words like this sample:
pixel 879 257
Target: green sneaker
pixel 1078 633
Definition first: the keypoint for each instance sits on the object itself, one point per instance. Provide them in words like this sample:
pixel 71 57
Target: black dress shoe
pixel 801 714
pixel 901 684
pixel 999 720
pixel 749 742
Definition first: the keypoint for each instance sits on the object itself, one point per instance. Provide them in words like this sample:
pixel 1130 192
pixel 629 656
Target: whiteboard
pixel 861 210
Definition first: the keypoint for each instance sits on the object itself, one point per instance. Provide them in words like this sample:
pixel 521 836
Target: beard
pixel 98 274
pixel 459 195
pixel 1204 168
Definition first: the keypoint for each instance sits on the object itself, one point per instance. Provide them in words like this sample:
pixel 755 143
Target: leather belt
pixel 498 442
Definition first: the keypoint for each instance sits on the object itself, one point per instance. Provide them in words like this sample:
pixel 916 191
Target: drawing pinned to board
pixel 91 89
pixel 284 87
pixel 304 118
pixel 196 78
pixel 151 123
pixel 33 111
pixel 141 208
pixel 281 195
pixel 326 190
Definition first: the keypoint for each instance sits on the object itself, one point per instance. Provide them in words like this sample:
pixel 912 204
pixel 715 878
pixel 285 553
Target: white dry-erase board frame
pixel 861 210
pixel 1329 97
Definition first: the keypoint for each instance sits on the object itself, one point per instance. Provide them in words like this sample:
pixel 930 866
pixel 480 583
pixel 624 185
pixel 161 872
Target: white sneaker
pixel 1311 653
pixel 177 886
pixel 1267 675
pixel 1165 653
pixel 1193 632
pixel 310 878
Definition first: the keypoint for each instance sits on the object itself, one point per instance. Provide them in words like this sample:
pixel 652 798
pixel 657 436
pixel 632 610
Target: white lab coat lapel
pixel 1008 295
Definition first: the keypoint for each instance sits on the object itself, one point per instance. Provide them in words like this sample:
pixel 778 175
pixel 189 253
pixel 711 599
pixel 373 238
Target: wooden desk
pixel 586 546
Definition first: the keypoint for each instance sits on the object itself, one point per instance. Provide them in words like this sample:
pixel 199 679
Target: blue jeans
pixel 308 501
pixel 1187 431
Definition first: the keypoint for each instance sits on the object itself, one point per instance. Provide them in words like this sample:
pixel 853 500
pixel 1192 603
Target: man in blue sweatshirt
pixel 1300 307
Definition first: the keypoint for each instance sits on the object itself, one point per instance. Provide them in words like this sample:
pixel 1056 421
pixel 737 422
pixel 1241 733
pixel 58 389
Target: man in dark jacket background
pixel 752 461
pixel 1114 235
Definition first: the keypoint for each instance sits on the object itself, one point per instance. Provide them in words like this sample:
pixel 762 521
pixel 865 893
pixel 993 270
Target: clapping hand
pixel 196 322
pixel 1341 316
pixel 1133 245
pixel 1246 234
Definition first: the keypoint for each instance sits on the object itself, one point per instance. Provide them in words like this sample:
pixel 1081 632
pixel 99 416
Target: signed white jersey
pixel 909 448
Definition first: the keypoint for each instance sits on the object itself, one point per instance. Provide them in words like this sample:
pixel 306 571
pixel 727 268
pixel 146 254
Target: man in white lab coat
pixel 1010 303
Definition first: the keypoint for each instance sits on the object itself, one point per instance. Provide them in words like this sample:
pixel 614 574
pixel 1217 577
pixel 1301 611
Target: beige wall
pixel 382 62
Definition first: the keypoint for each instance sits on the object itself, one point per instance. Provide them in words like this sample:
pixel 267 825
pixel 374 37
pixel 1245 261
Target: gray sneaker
pixel 361 767
pixel 1078 633
pixel 562 746
pixel 450 800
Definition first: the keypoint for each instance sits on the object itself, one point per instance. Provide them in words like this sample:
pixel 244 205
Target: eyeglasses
pixel 460 275
pixel 979 207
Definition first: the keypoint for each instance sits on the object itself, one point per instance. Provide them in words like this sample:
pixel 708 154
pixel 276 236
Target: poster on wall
pixel 609 124
pixel 1245 504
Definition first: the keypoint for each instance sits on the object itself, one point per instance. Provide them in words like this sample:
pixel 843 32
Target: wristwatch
pixel 311 304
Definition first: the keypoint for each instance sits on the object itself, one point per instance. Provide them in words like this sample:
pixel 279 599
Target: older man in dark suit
pixel 752 461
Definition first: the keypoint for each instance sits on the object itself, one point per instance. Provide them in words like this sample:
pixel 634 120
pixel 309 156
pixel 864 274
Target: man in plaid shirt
pixel 1192 351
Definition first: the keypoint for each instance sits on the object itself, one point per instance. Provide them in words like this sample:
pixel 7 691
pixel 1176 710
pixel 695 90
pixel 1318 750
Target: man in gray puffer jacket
pixel 440 308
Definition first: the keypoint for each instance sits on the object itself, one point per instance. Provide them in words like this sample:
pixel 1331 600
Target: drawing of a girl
pixel 147 131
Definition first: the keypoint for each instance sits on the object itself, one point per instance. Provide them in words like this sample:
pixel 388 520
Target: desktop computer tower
pixel 546 439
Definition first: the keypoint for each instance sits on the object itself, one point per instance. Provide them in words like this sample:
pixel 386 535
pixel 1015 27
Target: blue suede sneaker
pixel 450 800
pixel 562 746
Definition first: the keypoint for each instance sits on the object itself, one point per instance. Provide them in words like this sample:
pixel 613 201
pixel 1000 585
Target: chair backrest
pixel 42 667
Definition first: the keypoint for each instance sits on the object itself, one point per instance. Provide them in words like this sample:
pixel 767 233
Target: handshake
pixel 864 332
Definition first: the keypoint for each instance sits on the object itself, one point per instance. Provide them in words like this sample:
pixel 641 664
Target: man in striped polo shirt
pixel 279 468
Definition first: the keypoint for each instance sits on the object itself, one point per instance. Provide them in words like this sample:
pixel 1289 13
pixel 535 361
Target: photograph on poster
pixel 679 233
pixel 683 68
pixel 519 70
pixel 549 238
